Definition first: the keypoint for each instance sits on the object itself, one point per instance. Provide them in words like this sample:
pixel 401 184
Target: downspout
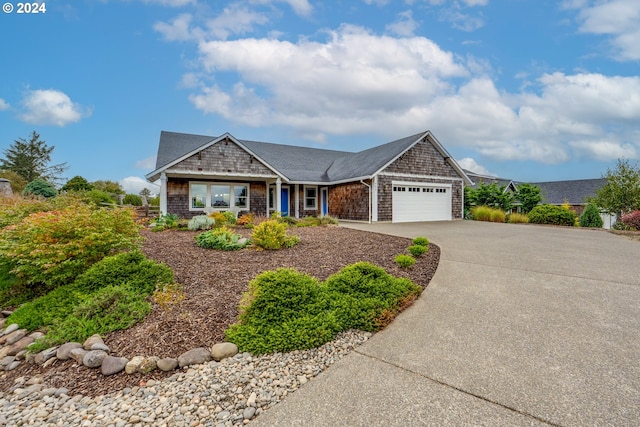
pixel 369 187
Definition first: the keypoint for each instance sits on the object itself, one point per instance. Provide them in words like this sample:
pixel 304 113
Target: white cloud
pixel 605 150
pixel 147 164
pixel 135 184
pixel 4 105
pixel 235 19
pixel 405 25
pixel 619 19
pixel 471 165
pixel 51 107
pixel 300 7
pixel 178 29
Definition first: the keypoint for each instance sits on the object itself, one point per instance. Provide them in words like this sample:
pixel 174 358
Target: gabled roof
pixel 299 164
pixel 488 179
pixel 575 192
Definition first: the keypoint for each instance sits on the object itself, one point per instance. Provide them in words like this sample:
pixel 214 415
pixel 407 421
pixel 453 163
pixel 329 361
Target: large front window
pixel 219 196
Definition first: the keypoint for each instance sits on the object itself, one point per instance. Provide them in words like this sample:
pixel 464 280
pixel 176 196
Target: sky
pixel 531 90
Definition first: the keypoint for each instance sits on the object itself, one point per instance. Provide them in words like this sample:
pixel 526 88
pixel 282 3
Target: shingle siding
pixel 223 157
pixel 422 159
pixel 349 201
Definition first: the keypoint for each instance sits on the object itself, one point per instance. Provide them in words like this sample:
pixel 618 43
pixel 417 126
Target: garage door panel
pixel 415 202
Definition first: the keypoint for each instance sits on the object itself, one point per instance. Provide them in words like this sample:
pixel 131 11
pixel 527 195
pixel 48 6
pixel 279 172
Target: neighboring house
pixel 410 179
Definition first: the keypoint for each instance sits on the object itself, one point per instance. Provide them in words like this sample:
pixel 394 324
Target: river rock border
pixel 94 353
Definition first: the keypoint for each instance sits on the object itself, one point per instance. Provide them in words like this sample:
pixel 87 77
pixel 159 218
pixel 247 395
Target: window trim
pixel 232 197
pixel 315 198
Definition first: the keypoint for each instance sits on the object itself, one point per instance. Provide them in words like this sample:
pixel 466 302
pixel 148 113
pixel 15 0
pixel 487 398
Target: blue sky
pixel 533 90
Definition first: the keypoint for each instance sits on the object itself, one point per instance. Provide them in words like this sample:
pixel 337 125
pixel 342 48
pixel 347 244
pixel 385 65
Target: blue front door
pixel 284 201
pixel 324 195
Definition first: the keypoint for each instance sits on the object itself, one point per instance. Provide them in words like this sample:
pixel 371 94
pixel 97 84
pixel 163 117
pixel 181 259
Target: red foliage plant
pixel 632 219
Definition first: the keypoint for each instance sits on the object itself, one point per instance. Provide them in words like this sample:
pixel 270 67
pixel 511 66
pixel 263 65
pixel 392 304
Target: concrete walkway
pixel 522 325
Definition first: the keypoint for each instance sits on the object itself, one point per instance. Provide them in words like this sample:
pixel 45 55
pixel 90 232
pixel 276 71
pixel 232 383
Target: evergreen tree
pixel 77 183
pixel 621 193
pixel 591 217
pixel 31 159
pixel 529 196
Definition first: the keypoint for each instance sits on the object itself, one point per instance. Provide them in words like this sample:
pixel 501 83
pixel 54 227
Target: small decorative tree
pixel 40 187
pixel 591 217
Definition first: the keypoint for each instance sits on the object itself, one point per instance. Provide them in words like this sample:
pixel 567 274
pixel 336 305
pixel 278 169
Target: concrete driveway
pixel 521 325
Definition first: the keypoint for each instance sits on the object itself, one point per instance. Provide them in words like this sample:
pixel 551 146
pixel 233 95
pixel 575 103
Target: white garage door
pixel 420 202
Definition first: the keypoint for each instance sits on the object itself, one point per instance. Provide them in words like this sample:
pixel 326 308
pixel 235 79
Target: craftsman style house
pixel 410 179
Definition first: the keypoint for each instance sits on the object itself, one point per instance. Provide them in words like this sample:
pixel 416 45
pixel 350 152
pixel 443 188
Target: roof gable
pixel 575 192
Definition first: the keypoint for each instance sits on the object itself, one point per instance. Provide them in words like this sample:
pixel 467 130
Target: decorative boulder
pixel 93 339
pixel 45 355
pixel 77 354
pixel 64 351
pixel 167 364
pixel 19 346
pixel 148 364
pixel 194 357
pixel 223 350
pixel 94 358
pixel 133 365
pixel 112 365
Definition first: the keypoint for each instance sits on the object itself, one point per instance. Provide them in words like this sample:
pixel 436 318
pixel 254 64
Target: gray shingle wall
pixel 223 157
pixel 422 159
pixel 349 201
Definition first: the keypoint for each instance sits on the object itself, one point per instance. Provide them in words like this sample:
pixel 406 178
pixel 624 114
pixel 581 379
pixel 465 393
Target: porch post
pixel 266 183
pixel 279 195
pixel 163 193
pixel 374 199
pixel 297 200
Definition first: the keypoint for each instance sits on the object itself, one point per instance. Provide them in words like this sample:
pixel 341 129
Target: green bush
pixel 109 309
pixel 128 268
pixel 52 248
pixel 99 197
pixel 47 309
pixel 286 310
pixel 272 235
pixel 40 187
pixel 221 238
pixel 591 217
pixel 14 209
pixel 405 261
pixel 132 199
pixel 422 241
pixel 417 250
pixel 201 222
pixel 165 221
pixel 551 214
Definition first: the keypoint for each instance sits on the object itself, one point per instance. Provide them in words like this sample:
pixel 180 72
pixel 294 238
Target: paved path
pixel 521 326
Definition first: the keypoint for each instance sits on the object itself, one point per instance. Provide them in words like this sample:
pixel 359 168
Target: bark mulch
pixel 213 283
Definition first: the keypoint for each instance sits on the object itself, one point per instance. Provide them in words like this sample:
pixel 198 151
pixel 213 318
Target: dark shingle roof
pixel 300 164
pixel 575 192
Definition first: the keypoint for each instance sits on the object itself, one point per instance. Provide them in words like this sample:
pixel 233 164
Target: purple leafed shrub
pixel 632 219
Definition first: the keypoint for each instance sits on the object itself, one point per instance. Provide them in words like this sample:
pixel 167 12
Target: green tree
pixel 145 192
pixel 17 182
pixel 529 196
pixel 621 193
pixel 108 186
pixel 491 195
pixel 591 217
pixel 77 183
pixel 40 187
pixel 31 159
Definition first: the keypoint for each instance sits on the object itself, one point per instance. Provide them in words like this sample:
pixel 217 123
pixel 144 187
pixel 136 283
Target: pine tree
pixel 31 159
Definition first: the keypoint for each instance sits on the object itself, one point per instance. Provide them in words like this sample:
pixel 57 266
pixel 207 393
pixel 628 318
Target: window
pixel 198 196
pixel 240 192
pixel 220 196
pixel 272 198
pixel 310 197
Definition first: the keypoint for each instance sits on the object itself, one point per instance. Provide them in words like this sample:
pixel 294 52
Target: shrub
pixel 53 248
pixel 165 221
pixel 516 218
pixel 109 309
pixel 307 221
pixel 631 220
pixel 591 217
pixel 485 213
pixel 230 217
pixel 272 235
pixel 221 238
pixel 422 241
pixel 286 310
pixel 219 218
pixel 405 261
pixel 14 209
pixel 129 268
pixel 40 187
pixel 290 221
pixel 132 199
pixel 168 294
pixel 498 215
pixel 551 214
pixel 47 309
pixel 245 220
pixel 201 222
pixel 99 197
pixel 417 250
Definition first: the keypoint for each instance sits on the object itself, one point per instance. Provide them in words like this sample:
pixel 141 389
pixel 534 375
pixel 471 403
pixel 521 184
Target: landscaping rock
pixel 148 364
pixel 101 346
pixel 167 364
pixel 133 365
pixel 6 313
pixel 3 322
pixel 12 327
pixel 223 350
pixel 45 355
pixel 19 346
pixel 78 354
pixel 94 358
pixel 5 361
pixel 93 339
pixel 194 357
pixel 21 355
pixel 64 351
pixel 11 366
pixel 15 336
pixel 112 365
pixel 36 379
pixel 248 413
pixel 36 335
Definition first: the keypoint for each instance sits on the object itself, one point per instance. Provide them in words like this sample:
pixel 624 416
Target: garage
pixel 414 201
